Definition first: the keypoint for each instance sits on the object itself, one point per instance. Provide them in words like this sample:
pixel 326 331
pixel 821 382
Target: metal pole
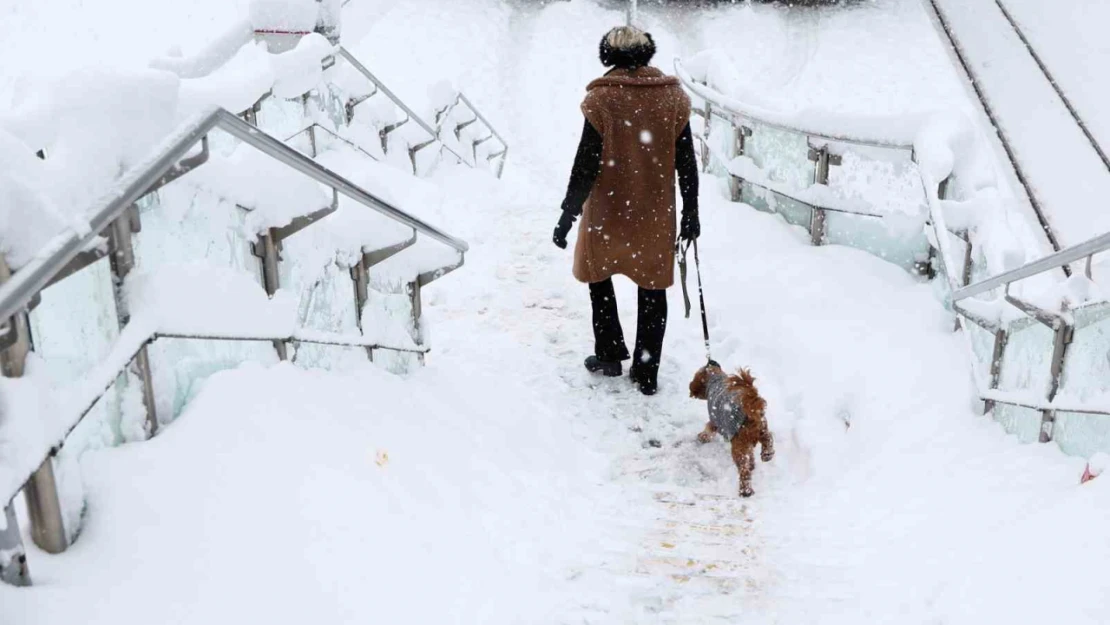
pixel 361 279
pixel 1062 339
pixel 267 250
pixel 41 491
pixel 705 153
pixel 1001 338
pixel 44 509
pixel 13 557
pixel 122 261
pixel 633 12
pixel 820 176
pixel 415 300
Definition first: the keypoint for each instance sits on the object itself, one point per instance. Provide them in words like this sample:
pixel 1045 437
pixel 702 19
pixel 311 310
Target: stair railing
pixel 956 272
pixel 434 132
pixel 116 217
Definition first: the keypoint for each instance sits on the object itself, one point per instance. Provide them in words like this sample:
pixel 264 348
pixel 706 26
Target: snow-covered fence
pixel 844 187
pixel 367 103
pixel 153 304
pixel 1040 345
pixel 466 122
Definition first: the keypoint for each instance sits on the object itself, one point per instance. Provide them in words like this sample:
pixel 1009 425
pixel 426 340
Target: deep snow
pixel 504 484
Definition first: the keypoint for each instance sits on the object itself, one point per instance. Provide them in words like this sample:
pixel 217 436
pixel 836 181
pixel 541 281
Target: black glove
pixel 691 227
pixel 563 229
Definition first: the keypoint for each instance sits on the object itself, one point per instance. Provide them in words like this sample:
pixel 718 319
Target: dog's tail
pixel 747 378
pixel 750 400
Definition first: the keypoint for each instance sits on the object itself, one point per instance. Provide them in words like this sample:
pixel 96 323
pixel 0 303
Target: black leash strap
pixel 683 250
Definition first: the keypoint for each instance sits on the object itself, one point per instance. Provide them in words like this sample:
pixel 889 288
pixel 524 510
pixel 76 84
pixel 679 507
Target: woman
pixel 636 135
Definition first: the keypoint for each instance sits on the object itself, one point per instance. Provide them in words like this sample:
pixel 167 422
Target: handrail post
pixel 360 277
pixel 122 260
pixel 822 159
pixel 415 289
pixel 13 556
pixel 41 491
pixel 268 251
pixel 705 153
pixel 1060 342
pixel 740 134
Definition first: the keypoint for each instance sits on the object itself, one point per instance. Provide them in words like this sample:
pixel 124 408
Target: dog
pixel 737 412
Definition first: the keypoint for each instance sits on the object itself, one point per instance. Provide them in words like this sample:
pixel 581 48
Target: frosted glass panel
pixel 73 329
pixel 282 118
pixel 982 346
pixel 879 237
pixel 1082 434
pixel 180 366
pixel 1027 359
pixel 185 225
pixel 1087 366
pixel 327 301
pixel 1086 378
pixel 1025 423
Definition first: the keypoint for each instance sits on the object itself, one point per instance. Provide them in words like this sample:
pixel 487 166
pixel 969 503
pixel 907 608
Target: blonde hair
pixel 626 38
pixel 626 47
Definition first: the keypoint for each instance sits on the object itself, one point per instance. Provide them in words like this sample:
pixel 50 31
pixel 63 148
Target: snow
pixel 504 484
pixel 284 15
pixel 1032 117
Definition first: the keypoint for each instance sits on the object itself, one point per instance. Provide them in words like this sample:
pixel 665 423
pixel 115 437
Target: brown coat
pixel 628 222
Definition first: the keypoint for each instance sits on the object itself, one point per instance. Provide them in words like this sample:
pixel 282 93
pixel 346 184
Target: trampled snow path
pixel 504 484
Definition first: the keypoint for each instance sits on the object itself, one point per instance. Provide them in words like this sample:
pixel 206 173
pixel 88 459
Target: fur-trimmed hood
pixel 639 77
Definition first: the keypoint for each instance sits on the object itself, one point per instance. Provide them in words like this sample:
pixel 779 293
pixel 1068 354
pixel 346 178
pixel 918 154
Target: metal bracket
pixel 184 166
pixel 300 223
pixel 428 277
pixel 462 126
pixel 815 155
pixel 79 262
pixel 8 333
pixel 1047 317
pixel 375 257
pixel 987 324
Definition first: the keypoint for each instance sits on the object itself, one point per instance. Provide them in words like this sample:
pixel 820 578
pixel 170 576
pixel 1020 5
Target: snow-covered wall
pixel 975 219
pixel 195 271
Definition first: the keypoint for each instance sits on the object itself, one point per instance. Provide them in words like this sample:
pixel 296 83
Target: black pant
pixel 651 324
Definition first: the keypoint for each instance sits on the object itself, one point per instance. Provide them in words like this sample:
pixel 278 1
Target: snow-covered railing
pixel 808 195
pixel 27 460
pixel 434 133
pixel 1046 359
pixel 448 115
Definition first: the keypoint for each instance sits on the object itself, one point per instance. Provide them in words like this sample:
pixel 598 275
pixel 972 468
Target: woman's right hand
pixel 562 230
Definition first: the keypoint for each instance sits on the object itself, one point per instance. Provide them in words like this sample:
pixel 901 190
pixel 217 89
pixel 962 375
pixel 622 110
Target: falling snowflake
pixel 645 137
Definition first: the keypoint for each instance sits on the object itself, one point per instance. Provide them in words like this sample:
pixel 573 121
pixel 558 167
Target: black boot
pixel 650 327
pixel 605 368
pixel 609 347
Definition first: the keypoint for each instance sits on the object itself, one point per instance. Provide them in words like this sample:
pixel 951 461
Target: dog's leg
pixel 706 435
pixel 766 444
pixel 745 463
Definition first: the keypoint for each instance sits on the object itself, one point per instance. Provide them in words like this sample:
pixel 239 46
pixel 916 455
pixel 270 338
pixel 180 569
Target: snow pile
pixel 285 16
pixel 27 218
pixel 201 299
pixel 333 498
pixel 94 125
pixel 213 55
pixel 273 193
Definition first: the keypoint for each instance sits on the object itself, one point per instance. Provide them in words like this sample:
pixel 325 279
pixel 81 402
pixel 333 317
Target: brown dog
pixel 736 411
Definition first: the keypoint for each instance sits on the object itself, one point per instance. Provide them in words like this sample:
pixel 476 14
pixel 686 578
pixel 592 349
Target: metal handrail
pixel 701 90
pixel 1057 260
pixel 473 109
pixel 350 58
pixel 17 292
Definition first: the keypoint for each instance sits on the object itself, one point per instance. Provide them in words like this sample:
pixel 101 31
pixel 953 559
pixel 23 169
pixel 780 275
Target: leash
pixel 683 250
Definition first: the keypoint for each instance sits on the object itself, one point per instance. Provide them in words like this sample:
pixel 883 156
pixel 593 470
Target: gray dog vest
pixel 724 411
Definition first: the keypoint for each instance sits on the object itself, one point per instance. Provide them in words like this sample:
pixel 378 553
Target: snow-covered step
pixel 1066 175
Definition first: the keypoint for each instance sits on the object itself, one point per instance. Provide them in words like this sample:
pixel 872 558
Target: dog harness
pixel 724 411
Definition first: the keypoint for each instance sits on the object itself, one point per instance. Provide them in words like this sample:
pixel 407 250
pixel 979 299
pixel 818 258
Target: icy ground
pixel 503 484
